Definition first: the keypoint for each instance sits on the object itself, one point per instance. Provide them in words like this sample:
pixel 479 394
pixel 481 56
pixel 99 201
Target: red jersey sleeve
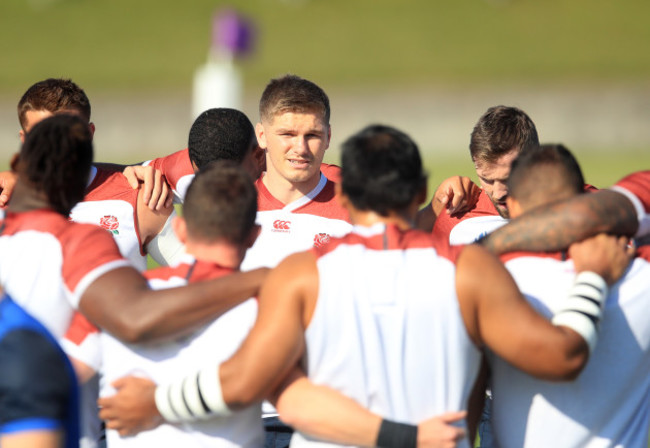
pixel 636 187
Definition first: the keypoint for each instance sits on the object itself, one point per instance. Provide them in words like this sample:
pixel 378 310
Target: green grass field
pixel 156 44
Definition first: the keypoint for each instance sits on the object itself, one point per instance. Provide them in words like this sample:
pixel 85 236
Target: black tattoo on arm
pixel 556 226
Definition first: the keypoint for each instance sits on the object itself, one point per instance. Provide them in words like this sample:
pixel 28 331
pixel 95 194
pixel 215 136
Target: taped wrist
pixel 397 435
pixel 583 309
pixel 198 396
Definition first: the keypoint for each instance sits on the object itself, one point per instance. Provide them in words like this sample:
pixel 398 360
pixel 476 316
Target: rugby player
pixel 354 313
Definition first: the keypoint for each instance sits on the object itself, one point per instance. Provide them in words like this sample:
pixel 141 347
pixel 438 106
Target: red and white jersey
pixel 110 203
pixel 47 262
pixel 636 187
pixel 177 169
pixel 289 228
pixel 608 405
pixel 468 227
pixel 166 361
pixel 381 335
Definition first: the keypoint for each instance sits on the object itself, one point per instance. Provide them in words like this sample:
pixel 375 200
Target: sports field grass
pixel 157 44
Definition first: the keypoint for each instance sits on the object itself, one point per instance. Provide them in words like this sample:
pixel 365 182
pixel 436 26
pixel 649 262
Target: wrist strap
pixel 196 397
pixel 583 308
pixel 397 435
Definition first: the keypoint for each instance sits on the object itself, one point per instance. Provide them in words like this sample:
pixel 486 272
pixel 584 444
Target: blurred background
pixel 580 69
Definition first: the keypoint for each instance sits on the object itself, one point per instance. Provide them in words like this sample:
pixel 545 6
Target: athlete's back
pixel 398 347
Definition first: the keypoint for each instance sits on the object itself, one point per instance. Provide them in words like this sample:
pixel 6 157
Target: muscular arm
pixel 497 315
pixel 329 415
pixel 276 342
pixel 556 226
pixel 121 303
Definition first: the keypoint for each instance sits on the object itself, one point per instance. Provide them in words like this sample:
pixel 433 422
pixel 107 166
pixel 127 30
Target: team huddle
pixel 306 304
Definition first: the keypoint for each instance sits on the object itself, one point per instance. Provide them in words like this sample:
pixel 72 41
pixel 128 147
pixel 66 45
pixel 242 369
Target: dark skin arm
pixel 555 227
pixel 121 303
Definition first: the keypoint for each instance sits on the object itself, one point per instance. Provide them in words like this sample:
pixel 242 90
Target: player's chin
pixel 503 210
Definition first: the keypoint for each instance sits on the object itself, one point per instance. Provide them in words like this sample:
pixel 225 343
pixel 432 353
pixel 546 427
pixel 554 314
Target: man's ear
pixel 261 135
pixel 22 135
pixel 91 126
pixel 180 228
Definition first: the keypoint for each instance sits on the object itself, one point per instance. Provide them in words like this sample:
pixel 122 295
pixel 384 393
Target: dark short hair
pixel 54 95
pixel 529 181
pixel 500 130
pixel 291 93
pixel 381 169
pixel 221 202
pixel 56 159
pixel 220 134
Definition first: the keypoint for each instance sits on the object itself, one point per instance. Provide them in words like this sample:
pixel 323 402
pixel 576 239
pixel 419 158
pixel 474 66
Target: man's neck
pixel 404 221
pixel 25 199
pixel 286 191
pixel 222 253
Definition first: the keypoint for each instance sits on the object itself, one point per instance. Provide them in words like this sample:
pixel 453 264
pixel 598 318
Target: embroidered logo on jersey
pixel 110 223
pixel 280 225
pixel 321 239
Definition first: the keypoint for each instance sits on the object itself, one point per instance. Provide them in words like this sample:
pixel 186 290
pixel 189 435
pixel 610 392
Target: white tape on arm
pixel 583 308
pixel 198 396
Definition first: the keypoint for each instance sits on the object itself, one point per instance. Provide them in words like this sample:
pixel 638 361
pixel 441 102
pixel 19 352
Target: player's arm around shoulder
pixel 497 315
pixel 276 342
pixel 156 233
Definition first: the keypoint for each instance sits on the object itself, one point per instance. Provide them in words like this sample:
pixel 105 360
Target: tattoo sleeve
pixel 555 227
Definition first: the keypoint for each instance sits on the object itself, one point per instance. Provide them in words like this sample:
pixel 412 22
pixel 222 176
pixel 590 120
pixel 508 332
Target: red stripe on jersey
pixel 639 185
pixel 80 328
pixel 84 247
pixel 393 239
pixel 174 166
pixel 324 204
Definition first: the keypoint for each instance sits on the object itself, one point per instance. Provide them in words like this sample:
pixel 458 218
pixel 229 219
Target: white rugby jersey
pixel 289 228
pixel 166 361
pixel 382 335
pixel 110 203
pixel 636 187
pixel 47 262
pixel 608 405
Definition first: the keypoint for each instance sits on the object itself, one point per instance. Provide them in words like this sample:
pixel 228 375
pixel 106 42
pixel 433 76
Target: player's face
pixel 295 144
pixel 494 178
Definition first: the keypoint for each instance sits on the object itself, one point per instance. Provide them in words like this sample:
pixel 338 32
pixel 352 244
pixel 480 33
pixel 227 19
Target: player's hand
pixel 7 183
pixel 455 195
pixel 606 255
pixel 157 194
pixel 439 431
pixel 133 408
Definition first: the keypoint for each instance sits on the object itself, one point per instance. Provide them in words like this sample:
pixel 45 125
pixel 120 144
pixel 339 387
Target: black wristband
pixel 397 435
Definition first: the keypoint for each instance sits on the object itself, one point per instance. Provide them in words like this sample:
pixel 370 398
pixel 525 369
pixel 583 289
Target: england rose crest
pixel 110 223
pixel 321 239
